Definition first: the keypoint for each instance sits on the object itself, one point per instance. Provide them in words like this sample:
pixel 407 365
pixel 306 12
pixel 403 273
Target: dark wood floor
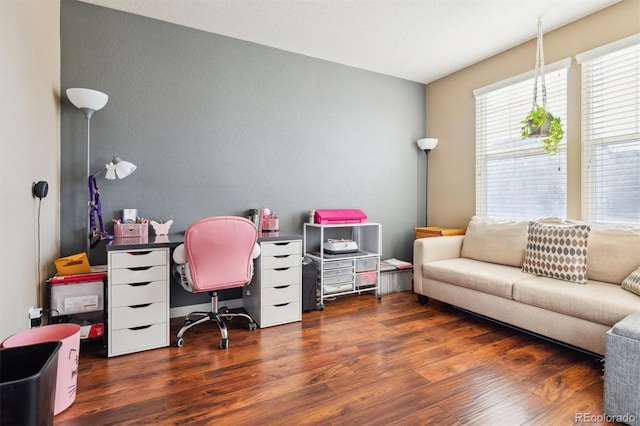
pixel 360 361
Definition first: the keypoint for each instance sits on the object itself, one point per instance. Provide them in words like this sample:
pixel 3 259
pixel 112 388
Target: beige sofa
pixel 482 272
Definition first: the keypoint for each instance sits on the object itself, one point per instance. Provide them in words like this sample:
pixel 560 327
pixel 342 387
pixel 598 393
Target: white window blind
pixel 515 178
pixel 611 134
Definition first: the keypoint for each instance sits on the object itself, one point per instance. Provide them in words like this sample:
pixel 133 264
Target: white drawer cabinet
pixel 137 300
pixel 275 294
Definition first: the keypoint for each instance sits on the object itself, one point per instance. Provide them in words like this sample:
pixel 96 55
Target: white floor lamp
pixel 90 101
pixel 426 144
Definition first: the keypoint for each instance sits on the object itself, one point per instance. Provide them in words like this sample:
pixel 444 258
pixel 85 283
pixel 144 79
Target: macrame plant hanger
pixel 541 123
pixel 539 72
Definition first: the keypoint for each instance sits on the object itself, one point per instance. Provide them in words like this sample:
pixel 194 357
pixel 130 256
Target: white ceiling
pixel 418 40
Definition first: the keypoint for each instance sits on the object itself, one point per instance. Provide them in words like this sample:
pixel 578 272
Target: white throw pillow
pixel 614 252
pixel 501 242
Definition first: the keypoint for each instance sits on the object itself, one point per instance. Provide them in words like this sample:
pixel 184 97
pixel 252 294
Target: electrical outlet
pixel 35 317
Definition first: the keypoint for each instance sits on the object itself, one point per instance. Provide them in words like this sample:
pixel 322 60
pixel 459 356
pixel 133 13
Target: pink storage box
pixel 337 216
pixel 126 230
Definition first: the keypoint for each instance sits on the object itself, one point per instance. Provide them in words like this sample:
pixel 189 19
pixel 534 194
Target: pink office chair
pixel 217 254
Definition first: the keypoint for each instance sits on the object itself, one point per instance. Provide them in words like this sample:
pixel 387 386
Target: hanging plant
pixel 540 122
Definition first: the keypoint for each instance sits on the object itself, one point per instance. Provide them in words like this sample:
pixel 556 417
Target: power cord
pixel 38 252
pixel 38 190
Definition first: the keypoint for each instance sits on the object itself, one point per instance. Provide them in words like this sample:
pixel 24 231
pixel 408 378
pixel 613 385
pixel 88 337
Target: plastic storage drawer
pixel 335 272
pixel 366 279
pixel 367 264
pixel 338 264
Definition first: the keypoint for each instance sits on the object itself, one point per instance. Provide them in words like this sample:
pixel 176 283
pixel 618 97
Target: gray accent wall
pixel 218 126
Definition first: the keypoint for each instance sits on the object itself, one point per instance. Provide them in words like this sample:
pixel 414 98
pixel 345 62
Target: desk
pixel 137 295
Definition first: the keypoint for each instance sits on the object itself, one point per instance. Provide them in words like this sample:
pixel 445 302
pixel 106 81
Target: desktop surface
pixel 152 241
pixel 175 239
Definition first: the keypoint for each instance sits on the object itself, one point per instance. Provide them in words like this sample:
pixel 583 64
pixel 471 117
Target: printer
pixel 340 246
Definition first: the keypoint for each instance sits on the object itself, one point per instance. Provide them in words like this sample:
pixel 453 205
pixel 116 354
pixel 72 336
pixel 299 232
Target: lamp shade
pixel 87 99
pixel 427 144
pixel 119 168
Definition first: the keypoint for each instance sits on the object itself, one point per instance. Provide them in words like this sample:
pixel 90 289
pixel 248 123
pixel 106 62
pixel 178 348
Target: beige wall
pixel 30 151
pixel 451 109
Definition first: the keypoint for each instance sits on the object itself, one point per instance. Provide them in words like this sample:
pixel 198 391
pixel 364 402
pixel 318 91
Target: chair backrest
pixel 218 250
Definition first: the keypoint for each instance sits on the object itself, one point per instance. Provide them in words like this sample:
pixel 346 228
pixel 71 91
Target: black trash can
pixel 28 383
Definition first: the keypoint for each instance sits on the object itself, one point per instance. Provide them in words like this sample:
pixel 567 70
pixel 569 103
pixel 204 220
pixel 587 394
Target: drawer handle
pixel 143 305
pixel 281 256
pixel 282 269
pixel 139 284
pixel 282 244
pixel 139 253
pixel 282 304
pixel 140 268
pixel 142 327
pixel 280 287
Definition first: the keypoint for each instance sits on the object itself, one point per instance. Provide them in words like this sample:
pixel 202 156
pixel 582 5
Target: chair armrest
pixel 430 249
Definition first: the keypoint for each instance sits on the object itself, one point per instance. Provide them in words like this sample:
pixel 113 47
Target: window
pixel 611 132
pixel 515 178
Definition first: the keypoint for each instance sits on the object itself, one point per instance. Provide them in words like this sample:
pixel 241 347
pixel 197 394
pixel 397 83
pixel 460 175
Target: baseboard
pixel 181 311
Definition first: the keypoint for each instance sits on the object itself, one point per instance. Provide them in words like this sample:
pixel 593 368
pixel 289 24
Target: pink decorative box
pixel 124 230
pixel 337 216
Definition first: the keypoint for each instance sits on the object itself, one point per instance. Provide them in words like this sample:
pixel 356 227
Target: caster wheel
pixel 253 326
pixel 224 311
pixel 224 344
pixel 179 342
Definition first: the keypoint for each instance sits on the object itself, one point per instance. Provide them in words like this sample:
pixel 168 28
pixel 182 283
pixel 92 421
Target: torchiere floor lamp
pixel 427 144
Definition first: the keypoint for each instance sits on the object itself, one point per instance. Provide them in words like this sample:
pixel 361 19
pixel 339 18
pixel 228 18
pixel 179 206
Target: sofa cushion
pixel 596 301
pixel 614 252
pixel 495 241
pixel 557 251
pixel 632 282
pixel 476 275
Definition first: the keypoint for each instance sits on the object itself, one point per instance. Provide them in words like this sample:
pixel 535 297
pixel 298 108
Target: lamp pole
pixel 87 236
pixel 426 188
pixel 88 113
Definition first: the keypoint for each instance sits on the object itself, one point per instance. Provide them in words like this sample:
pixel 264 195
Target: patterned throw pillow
pixel 632 282
pixel 557 251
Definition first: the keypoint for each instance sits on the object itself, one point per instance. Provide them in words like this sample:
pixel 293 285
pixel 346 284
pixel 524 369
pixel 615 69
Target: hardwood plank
pixel 359 361
pixel 432 415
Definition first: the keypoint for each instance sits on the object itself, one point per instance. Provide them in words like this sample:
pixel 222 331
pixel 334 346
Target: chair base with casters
pixel 216 314
pixel 217 254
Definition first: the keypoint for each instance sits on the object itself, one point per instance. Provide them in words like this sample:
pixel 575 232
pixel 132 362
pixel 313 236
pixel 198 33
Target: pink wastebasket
pixel 68 356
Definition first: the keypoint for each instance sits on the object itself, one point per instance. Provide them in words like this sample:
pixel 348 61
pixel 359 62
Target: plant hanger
pixel 540 123
pixel 539 71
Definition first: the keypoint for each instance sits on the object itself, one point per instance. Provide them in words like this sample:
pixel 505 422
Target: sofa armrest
pixel 430 249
